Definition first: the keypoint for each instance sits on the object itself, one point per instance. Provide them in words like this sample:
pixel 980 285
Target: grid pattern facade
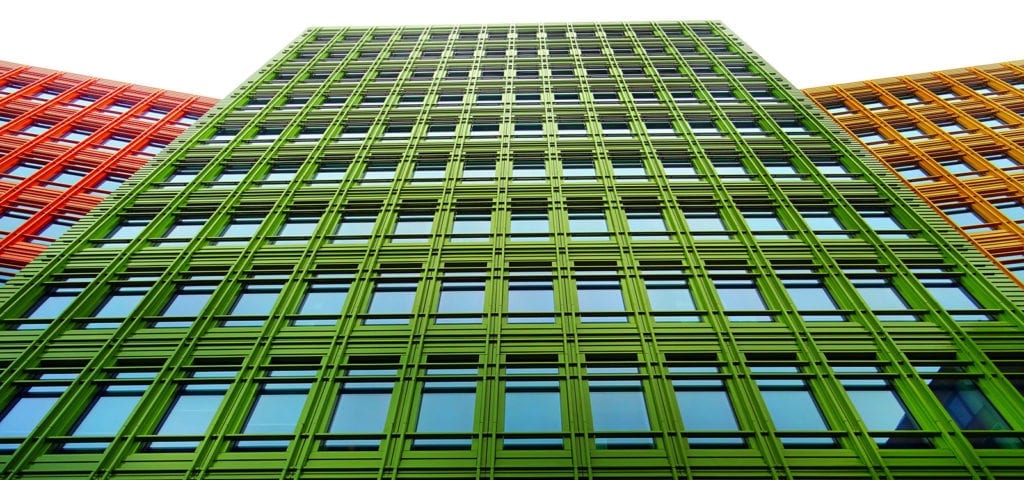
pixel 955 137
pixel 66 142
pixel 551 251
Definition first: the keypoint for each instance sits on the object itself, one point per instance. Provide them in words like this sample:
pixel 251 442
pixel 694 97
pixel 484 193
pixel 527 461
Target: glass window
pixel 879 406
pixel 76 135
pixel 528 170
pixel 600 295
pixel 578 170
pixel 182 174
pixel 740 295
pixel 792 406
pixel 881 296
pixel 883 223
pixel 24 169
pixel 362 408
pixel 324 297
pixel 68 177
pixel 183 230
pixel 528 225
pixel 191 412
pixel 116 142
pixel 971 409
pixel 296 230
pixel 120 303
pixel 670 299
pixel 54 229
pixel 765 225
pixel 412 227
pixel 954 298
pixel 11 220
pixel 704 405
pixel 30 406
pixel 391 303
pixel 107 412
pixel 187 301
pixel 330 172
pixel 471 227
pixel 54 302
pixel 629 169
pixel 812 300
pixel 870 136
pixel 428 172
pixel 276 411
pixel 36 128
pixel 618 405
pixel 647 225
pixel 531 406
pixel 355 228
pixel 531 300
pixel 240 230
pixel 446 407
pixel 379 172
pixel 588 226
pixel 478 171
pixel 705 225
pixel 458 298
pixel 964 216
pixel 256 299
pixel 824 224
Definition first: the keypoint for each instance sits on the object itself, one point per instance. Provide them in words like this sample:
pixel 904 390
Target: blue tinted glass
pixel 361 412
pixel 600 297
pixel 186 304
pixel 51 306
pixel 669 295
pixel 793 410
pixel 256 300
pixel 810 297
pixel 538 298
pixel 706 410
pixel 879 295
pixel 393 298
pixel 447 411
pixel 324 299
pixel 119 306
pixel 739 295
pixel 969 407
pixel 533 411
pixel 881 410
pixel 275 413
pixel 618 409
pixel 25 415
pixel 469 298
pixel 106 416
pixel 191 414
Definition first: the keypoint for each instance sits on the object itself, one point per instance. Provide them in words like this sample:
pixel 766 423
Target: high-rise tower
pixel 956 138
pixel 548 251
pixel 66 141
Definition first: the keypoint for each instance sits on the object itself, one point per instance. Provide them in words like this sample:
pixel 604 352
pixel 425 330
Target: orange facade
pixel 957 138
pixel 66 142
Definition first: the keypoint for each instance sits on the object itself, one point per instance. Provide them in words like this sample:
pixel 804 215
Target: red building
pixel 66 142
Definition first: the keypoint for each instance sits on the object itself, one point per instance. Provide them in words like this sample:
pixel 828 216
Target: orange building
pixel 66 142
pixel 956 137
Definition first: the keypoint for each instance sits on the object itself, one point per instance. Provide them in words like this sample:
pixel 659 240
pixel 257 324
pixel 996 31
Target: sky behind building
pixel 209 47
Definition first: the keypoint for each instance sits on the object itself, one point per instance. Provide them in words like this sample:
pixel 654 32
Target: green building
pixel 533 251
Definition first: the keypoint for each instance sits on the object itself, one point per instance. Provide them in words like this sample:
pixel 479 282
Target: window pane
pixel 706 410
pixel 25 415
pixel 793 410
pixel 191 414
pixel 881 410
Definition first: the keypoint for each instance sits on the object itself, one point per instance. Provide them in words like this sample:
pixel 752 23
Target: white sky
pixel 210 46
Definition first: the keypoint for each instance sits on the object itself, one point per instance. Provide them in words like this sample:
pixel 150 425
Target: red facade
pixel 66 141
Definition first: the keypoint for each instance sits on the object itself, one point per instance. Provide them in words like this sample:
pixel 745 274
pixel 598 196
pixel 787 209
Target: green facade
pixel 530 251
